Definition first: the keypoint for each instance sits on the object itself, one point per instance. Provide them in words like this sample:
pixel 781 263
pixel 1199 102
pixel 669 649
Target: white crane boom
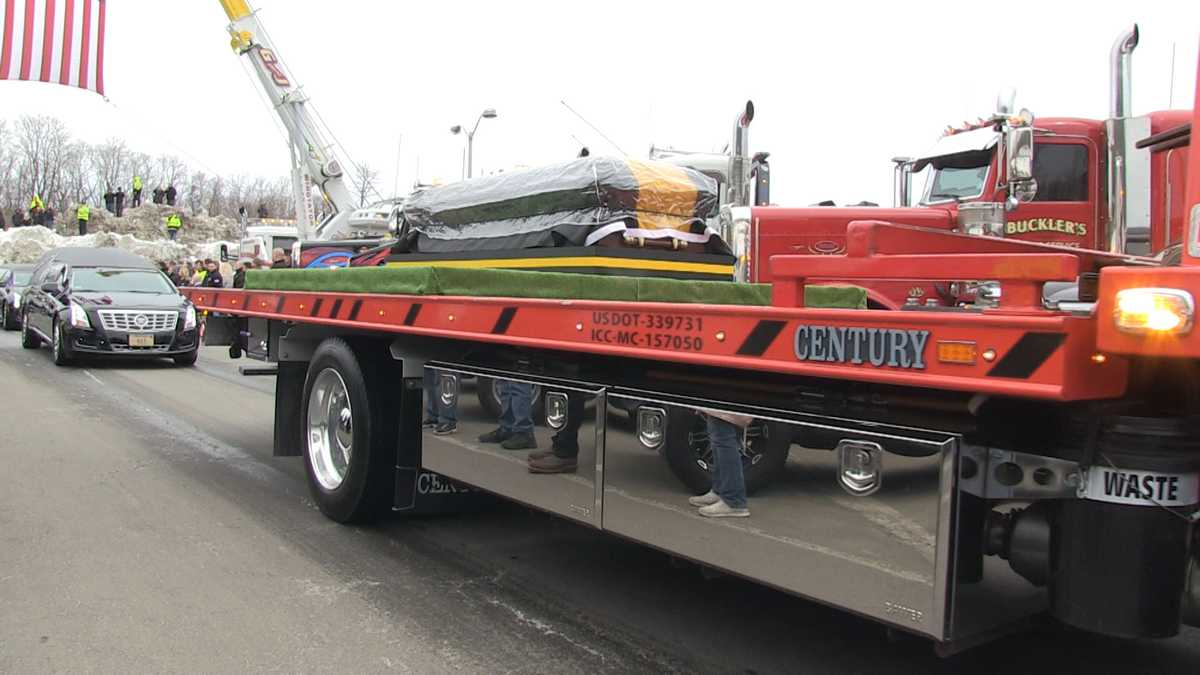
pixel 314 160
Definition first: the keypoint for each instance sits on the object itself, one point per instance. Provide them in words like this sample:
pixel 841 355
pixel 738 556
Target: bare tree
pixel 364 182
pixel 111 159
pixel 41 144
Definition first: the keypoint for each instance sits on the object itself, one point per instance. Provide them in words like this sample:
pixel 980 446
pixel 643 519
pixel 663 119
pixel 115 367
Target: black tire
pixel 489 400
pixel 686 451
pixel 188 359
pixel 6 317
pixel 28 339
pixel 58 346
pixel 368 485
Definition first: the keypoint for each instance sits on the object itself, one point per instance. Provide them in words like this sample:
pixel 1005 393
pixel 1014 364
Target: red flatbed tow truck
pixel 948 471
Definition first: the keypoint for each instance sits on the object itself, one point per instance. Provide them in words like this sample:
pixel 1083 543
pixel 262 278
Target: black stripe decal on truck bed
pixel 1025 357
pixel 413 311
pixel 503 322
pixel 761 337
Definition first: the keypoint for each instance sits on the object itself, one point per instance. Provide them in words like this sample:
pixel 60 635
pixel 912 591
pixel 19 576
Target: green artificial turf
pixel 527 284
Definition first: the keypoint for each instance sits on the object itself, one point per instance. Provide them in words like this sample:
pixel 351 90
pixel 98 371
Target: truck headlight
pixel 189 318
pixel 16 301
pixel 79 317
pixel 1163 311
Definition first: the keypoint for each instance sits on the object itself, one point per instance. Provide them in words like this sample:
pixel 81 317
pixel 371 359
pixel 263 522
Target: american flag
pixel 54 41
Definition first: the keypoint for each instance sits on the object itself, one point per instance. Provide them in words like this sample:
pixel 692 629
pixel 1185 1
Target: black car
pixel 14 279
pixel 106 302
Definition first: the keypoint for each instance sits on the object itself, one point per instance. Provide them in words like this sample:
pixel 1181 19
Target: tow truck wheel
pixel 350 426
pixel 488 392
pixel 6 318
pixel 688 454
pixel 28 339
pixel 58 346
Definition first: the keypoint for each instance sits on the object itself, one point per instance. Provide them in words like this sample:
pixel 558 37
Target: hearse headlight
pixel 189 318
pixel 79 317
pixel 1161 311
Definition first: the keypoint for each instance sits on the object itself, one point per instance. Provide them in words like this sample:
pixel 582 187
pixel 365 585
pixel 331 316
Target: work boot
pixel 523 440
pixel 496 435
pixel 705 499
pixel 553 464
pixel 722 510
pixel 539 454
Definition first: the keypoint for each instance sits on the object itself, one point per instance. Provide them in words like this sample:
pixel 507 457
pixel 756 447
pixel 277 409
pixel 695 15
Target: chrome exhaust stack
pixel 1120 60
pixel 1128 225
pixel 739 159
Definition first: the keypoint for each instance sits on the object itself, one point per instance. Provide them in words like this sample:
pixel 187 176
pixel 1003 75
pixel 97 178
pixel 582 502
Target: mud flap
pixel 289 401
pixel 420 491
pixel 220 330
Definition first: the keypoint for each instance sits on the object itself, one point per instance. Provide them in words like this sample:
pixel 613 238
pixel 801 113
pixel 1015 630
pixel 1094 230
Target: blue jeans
pixel 725 439
pixel 516 406
pixel 434 408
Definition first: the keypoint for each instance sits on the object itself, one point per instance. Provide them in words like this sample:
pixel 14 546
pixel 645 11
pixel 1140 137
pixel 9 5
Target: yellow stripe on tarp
pixel 581 261
pixel 236 9
pixel 666 197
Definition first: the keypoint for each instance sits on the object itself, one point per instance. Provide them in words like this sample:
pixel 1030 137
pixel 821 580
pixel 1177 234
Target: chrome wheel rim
pixel 57 342
pixel 330 429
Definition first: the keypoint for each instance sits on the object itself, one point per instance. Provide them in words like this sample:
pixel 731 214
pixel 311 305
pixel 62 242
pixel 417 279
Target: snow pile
pixel 141 231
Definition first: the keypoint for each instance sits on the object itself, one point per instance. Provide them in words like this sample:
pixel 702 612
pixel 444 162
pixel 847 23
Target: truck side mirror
pixel 224 253
pixel 1018 145
pixel 51 287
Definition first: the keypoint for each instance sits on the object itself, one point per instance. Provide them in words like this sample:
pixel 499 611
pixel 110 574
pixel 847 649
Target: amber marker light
pixel 956 351
pixel 1156 311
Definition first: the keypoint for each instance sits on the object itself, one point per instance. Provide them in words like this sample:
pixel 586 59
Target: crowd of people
pixel 114 202
pixel 210 273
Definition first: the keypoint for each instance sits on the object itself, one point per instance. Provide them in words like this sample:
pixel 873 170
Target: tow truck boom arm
pixel 312 154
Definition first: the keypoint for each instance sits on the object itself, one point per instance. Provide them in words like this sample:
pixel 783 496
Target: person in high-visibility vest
pixel 36 208
pixel 174 222
pixel 137 192
pixel 83 213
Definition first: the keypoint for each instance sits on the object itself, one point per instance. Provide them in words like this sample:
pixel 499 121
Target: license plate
pixel 1142 488
pixel 141 340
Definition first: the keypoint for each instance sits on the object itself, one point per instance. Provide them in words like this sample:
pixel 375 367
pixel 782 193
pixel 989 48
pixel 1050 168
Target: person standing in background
pixel 110 201
pixel 36 206
pixel 157 195
pixel 170 195
pixel 262 210
pixel 137 191
pixel 119 200
pixel 83 214
pixel 174 222
pixel 280 259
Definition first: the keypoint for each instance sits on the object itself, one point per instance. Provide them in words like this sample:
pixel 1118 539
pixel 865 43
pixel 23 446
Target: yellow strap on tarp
pixel 666 197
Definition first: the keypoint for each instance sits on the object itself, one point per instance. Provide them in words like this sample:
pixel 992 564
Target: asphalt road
pixel 145 527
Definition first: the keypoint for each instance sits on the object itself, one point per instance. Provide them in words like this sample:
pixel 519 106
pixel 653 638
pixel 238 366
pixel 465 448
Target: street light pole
pixel 488 113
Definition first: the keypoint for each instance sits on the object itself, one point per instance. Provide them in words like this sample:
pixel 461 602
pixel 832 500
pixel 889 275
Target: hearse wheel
pixel 350 423
pixel 688 454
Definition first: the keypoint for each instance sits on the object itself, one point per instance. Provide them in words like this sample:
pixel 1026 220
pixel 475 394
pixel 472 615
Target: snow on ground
pixel 141 231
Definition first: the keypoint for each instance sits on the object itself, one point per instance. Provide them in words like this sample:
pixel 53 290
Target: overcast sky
pixel 839 87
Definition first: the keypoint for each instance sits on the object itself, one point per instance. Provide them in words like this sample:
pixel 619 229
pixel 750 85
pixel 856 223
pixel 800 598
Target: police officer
pixel 137 192
pixel 212 276
pixel 36 206
pixel 174 222
pixel 83 213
